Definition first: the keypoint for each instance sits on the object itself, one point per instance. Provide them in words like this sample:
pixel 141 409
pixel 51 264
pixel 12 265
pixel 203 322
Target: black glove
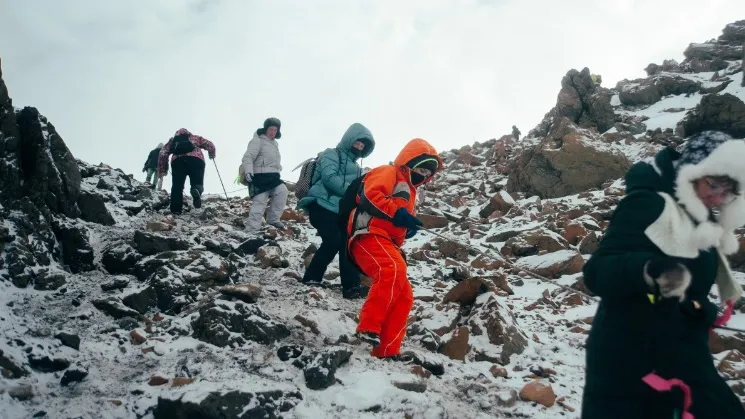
pixel 668 276
pixel 411 232
pixel 402 218
pixel 701 310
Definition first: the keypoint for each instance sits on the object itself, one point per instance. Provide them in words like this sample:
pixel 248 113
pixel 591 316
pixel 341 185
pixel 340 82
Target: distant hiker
pixel 262 166
pixel 151 166
pixel 383 219
pixel 663 251
pixel 187 160
pixel 515 132
pixel 335 170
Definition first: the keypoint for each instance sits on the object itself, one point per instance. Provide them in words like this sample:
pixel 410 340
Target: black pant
pixel 181 168
pixel 333 241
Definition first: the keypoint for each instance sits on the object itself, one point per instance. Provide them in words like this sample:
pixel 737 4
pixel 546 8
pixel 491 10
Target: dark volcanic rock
pixel 268 404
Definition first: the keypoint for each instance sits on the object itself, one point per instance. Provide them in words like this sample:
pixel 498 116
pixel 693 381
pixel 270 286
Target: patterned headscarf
pixel 701 145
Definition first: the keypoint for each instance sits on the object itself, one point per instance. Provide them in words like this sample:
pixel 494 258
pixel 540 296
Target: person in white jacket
pixel 262 167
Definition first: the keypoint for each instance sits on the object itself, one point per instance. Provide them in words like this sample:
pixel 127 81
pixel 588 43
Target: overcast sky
pixel 117 77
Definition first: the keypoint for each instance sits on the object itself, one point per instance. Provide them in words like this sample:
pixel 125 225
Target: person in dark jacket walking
pixel 187 160
pixel 515 132
pixel 648 350
pixel 151 166
pixel 336 169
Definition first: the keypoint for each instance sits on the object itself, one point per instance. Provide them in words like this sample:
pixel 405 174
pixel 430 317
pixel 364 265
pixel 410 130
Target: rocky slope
pixel 112 308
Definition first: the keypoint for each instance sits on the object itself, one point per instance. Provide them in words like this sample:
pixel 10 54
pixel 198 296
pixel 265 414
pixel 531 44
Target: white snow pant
pixel 278 198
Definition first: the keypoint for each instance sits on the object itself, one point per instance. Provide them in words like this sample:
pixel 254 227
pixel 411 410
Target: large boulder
pixel 491 319
pixel 554 264
pixel 93 208
pixel 715 112
pixel 569 161
pixel 10 138
pixel 733 33
pixel 150 243
pixel 77 252
pixel 221 401
pixel 120 258
pixel 167 291
pixel 224 323
pixel 648 91
pixel 50 172
pixel 319 368
pixel 584 102
pixel 712 50
pixel 28 244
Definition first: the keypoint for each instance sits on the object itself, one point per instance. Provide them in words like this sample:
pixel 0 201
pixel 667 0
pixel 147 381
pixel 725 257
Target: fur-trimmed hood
pixel 709 153
pixel 712 153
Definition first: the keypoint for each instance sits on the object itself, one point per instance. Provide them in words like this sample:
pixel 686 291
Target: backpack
pixel 349 202
pixel 181 145
pixel 308 168
pixel 241 176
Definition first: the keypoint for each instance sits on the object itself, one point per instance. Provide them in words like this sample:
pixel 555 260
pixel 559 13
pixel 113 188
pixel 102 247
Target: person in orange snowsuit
pixel 377 228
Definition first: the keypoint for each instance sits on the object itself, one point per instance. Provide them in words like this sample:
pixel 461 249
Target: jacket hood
pixel 712 153
pixel 654 174
pixel 356 132
pixel 667 173
pixel 182 131
pixel 414 149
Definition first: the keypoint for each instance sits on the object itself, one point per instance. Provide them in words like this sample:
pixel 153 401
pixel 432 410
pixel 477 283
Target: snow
pixel 547 260
pixel 506 197
pixel 664 120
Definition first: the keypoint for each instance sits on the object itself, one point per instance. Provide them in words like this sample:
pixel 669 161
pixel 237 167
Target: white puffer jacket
pixel 262 156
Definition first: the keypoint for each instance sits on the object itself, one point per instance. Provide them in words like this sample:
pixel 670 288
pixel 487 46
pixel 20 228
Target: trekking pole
pixel 511 265
pixel 223 185
pixel 731 329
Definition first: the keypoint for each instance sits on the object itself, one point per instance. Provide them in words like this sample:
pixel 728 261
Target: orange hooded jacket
pixel 384 190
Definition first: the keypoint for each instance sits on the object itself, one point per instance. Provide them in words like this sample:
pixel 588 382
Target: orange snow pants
pixel 386 309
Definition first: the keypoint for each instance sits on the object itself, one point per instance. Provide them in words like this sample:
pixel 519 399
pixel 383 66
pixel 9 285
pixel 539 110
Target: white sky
pixel 116 78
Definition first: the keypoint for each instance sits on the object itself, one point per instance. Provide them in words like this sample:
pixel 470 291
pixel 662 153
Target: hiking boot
pixel 278 225
pixel 356 292
pixel 369 337
pixel 196 195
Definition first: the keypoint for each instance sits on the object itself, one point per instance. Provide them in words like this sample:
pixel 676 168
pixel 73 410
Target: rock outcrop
pixel 724 112
pixel 648 91
pixel 568 160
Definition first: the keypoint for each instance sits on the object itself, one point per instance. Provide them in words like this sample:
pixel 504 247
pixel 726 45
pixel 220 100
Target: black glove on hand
pixel 700 310
pixel 402 218
pixel 669 275
pixel 411 233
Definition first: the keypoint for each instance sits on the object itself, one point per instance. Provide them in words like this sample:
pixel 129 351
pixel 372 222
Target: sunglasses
pixel 721 186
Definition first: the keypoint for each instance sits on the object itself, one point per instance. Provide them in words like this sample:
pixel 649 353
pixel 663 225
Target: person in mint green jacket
pixel 335 169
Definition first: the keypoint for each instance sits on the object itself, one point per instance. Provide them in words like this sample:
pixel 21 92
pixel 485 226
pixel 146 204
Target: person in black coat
pixel 648 350
pixel 151 166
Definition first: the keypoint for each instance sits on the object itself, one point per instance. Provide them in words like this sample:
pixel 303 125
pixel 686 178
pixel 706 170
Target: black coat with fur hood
pixel 632 334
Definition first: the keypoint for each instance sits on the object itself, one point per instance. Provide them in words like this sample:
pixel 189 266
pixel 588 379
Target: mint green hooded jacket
pixel 336 168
